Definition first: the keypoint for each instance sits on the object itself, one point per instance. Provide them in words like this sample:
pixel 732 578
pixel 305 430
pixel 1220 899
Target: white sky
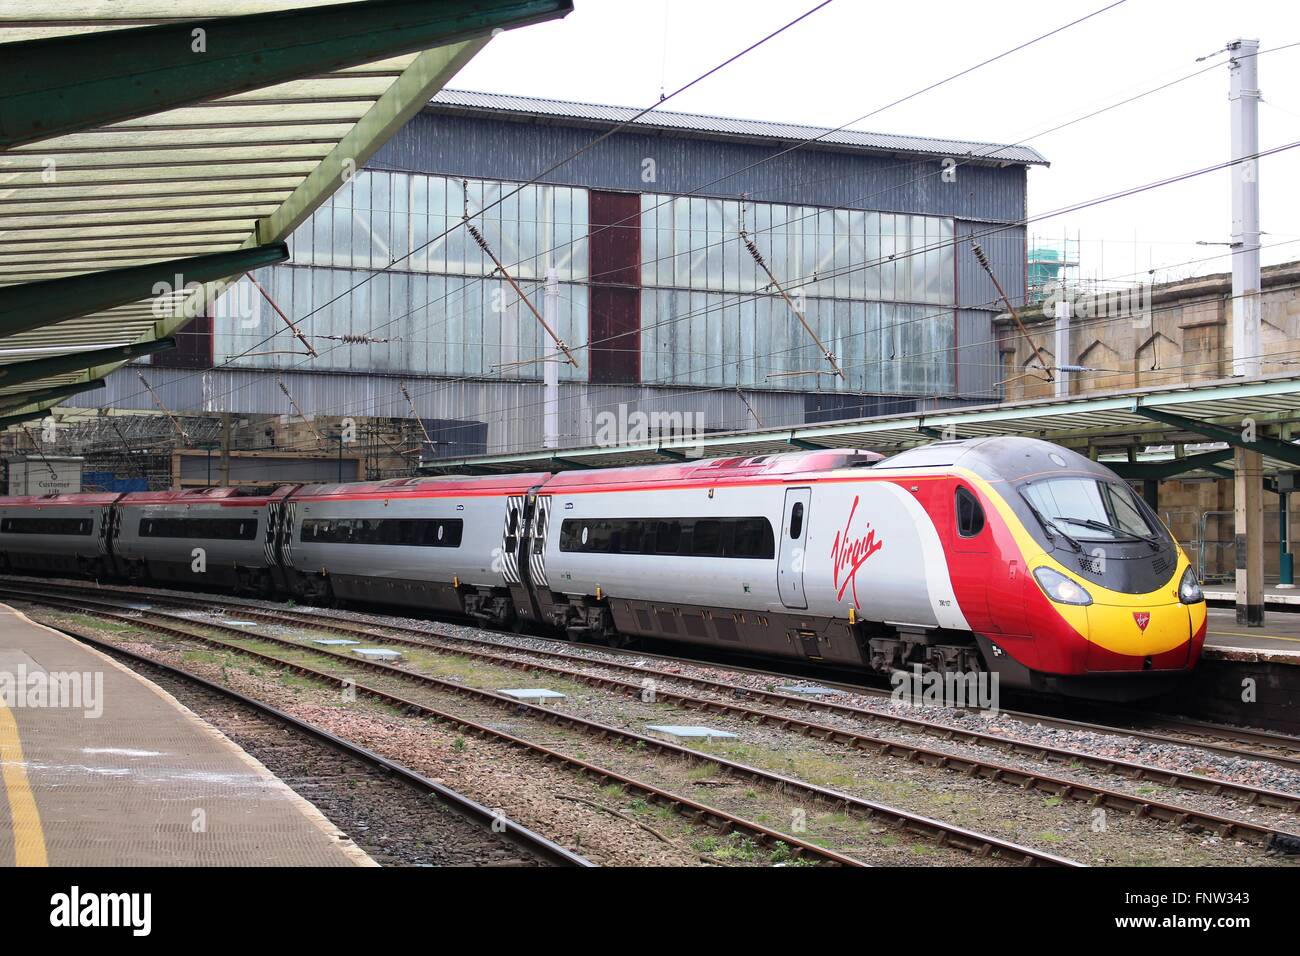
pixel 854 56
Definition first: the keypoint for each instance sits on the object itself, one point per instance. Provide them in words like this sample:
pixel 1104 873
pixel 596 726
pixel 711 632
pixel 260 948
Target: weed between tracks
pixel 638 832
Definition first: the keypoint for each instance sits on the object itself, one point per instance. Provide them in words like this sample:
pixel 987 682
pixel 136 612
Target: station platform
pixel 1278 641
pixel 1274 595
pixel 101 767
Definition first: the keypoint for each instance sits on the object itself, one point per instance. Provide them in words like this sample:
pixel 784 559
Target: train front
pixel 1108 605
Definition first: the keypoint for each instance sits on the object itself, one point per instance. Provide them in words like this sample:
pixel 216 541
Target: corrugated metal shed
pixel 536 109
pixel 512 410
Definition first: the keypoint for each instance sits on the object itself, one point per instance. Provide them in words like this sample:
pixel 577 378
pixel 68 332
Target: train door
pixel 526 567
pixel 970 565
pixel 516 521
pixel 537 549
pixel 794 537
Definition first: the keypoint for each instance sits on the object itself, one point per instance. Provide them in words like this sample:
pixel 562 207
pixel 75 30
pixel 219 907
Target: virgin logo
pixel 848 554
pixel 1142 619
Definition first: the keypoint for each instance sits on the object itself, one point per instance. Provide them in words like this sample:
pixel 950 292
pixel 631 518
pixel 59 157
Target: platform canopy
pixel 145 140
pixel 1118 428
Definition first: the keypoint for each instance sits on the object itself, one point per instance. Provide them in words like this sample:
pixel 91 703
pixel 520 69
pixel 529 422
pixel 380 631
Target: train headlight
pixel 1060 588
pixel 1189 589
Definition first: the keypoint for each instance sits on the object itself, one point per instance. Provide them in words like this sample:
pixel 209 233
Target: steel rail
pixel 946 834
pixel 515 833
pixel 694 810
pixel 1289 758
pixel 1252 795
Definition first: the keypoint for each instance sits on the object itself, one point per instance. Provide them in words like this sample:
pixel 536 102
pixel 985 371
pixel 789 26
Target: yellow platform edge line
pixel 29 836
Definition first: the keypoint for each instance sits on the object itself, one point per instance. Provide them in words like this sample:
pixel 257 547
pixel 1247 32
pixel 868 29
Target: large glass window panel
pixel 759 218
pixel 933 261
pixel 562 232
pixel 454 310
pixel 947 265
pixel 698 240
pixel 840 266
pixel 581 226
pixel 855 256
pixel 731 247
pixel 849 318
pixel 698 344
pixel 826 242
pixel 920 260
pixel 890 356
pixel 787 242
pixel 457 236
pixel 360 191
pixel 435 323
pixel 903 258
pixel 300 242
pixel 748 343
pixel 419 260
pixel 714 352
pixel 871 276
pixel 575 331
pixel 871 356
pixel 682 242
pixel 342 237
pixel 500 299
pixel 808 252
pixel 321 230
pixel 649 239
pixel 713 245
pixel 417 325
pixel 528 234
pixel 666 248
pixel 381 188
pixel 913 349
pixel 400 243
pixel 396 325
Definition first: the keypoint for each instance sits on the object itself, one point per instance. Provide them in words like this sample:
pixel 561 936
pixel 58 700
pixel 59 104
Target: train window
pixel 970 514
pixel 796 521
pixel 399 532
pixel 45 525
pixel 226 529
pixel 685 537
pixel 706 541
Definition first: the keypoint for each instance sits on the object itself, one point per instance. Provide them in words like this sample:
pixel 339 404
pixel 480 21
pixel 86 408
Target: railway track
pixel 939 832
pixel 729 703
pixel 491 821
pixel 1221 739
pixel 729 697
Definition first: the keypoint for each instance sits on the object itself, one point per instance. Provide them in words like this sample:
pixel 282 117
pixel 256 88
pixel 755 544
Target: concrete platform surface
pixel 1273 594
pixel 1278 641
pixel 101 767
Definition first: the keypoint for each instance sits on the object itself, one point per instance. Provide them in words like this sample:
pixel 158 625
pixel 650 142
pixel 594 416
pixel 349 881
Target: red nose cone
pixel 1143 618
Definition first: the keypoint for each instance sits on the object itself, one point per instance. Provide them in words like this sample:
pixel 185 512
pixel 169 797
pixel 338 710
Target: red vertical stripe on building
pixel 614 248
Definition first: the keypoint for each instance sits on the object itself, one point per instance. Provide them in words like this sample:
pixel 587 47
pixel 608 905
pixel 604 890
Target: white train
pixel 966 555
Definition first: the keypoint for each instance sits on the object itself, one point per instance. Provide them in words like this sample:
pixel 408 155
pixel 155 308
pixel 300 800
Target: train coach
pixel 56 534
pixel 1003 555
pixel 211 537
pixel 1006 555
